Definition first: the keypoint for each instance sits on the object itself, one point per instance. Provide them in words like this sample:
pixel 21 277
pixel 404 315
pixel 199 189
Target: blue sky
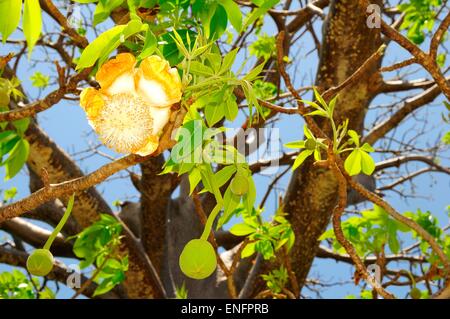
pixel 66 124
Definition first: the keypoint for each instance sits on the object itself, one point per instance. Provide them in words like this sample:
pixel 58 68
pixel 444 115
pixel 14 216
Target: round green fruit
pixel 40 262
pixel 198 259
pixel 239 185
pixel 310 144
pixel 415 293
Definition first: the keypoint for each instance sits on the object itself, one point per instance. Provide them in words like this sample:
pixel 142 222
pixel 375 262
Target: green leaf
pixel 264 47
pixel 248 250
pixel 214 113
pixel 194 178
pixel 10 193
pixel 17 159
pixel 353 163
pixel 295 145
pixel 150 44
pixel 446 138
pixel 133 27
pixel 228 60
pixel 393 242
pixel 354 136
pixel 242 230
pixel 170 49
pixel 318 113
pixel 8 145
pixel 253 74
pixel 105 286
pixel 367 148
pixel 327 234
pixel 10 9
pixel 198 68
pixel 21 125
pixel 231 108
pixel 224 175
pixel 7 136
pixel 264 90
pixel 218 23
pixel 319 98
pixel 104 9
pixel 250 198
pixel 47 293
pixel 440 59
pixel 210 182
pixel 39 80
pixel 94 50
pixel 307 132
pixel 257 13
pixel 234 13
pixel 32 23
pixel 367 163
pixel 301 158
pixel 230 202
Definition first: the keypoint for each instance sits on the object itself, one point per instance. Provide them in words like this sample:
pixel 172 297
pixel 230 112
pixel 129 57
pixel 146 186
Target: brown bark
pixel 155 196
pixel 312 192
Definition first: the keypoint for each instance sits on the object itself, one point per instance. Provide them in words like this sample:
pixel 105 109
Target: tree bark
pixel 312 193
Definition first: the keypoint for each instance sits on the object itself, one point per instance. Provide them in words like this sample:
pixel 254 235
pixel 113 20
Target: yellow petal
pixel 114 68
pixel 92 102
pixel 157 82
pixel 150 147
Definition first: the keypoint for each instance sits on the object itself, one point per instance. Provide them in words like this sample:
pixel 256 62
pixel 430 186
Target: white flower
pixel 133 105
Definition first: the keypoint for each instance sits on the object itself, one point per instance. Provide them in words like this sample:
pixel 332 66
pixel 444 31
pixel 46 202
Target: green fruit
pixel 198 259
pixel 310 144
pixel 239 185
pixel 40 262
pixel 415 293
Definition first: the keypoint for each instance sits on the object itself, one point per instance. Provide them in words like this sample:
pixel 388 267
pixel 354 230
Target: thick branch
pixel 37 236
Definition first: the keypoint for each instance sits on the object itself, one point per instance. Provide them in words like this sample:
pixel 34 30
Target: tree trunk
pixel 312 193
